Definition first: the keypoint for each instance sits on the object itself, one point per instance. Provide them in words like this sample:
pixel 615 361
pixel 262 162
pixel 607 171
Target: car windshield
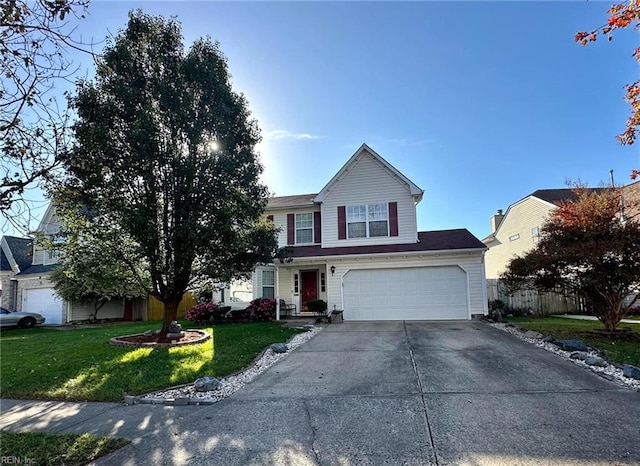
pixel 4 311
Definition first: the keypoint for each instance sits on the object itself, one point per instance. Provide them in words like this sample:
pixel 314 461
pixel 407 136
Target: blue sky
pixel 478 103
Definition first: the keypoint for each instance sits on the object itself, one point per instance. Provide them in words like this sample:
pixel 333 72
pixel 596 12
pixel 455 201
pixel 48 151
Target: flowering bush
pixel 262 310
pixel 200 312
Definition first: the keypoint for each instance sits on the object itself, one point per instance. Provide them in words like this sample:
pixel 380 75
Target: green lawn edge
pixel 38 448
pixel 616 351
pixel 78 364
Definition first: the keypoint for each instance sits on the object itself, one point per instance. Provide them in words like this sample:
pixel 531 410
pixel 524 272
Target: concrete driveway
pixel 392 393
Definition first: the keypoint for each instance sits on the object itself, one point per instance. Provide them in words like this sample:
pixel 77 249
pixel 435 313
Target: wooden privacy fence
pixel 542 303
pixel 155 308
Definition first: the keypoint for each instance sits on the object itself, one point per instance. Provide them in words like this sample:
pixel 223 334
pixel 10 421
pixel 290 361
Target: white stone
pixel 610 370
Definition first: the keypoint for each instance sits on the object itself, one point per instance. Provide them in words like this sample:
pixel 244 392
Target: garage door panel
pixel 422 293
pixel 43 301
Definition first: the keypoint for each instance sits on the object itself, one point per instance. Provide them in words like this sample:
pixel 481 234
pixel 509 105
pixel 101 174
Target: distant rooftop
pixel 298 200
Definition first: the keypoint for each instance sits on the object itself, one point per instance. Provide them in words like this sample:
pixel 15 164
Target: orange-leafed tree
pixel 586 249
pixel 621 16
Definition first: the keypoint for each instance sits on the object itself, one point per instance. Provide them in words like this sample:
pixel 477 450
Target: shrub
pixel 262 310
pixel 200 312
pixel 317 305
pixel 496 304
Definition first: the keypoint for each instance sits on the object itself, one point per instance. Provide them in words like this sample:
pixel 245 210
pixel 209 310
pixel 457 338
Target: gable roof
pixel 299 200
pixel 16 253
pixel 440 240
pixel 415 190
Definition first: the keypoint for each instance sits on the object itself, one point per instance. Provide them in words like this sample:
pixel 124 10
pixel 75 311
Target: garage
pixel 43 301
pixel 416 293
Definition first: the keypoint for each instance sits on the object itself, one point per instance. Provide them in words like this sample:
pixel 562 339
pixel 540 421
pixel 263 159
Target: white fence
pixel 541 303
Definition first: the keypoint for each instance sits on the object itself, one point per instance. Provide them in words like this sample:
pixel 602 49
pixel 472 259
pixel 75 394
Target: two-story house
pixel 355 245
pixel 516 231
pixel 31 289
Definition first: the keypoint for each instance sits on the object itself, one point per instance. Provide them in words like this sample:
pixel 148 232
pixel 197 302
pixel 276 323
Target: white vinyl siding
pixel 362 185
pixel 113 309
pixel 518 223
pixel 304 228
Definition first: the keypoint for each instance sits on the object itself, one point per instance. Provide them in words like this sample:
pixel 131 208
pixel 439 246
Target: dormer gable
pixel 367 152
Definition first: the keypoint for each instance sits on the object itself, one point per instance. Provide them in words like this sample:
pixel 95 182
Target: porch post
pixel 277 293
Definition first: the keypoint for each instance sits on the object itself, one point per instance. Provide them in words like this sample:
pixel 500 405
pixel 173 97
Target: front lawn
pixel 617 350
pixel 79 364
pixel 55 449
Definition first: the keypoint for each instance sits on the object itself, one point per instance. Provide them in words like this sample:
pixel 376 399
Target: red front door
pixel 309 287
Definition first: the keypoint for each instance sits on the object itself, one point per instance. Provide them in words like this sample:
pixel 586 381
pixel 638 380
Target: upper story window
pixel 304 228
pixel 367 221
pixel 535 234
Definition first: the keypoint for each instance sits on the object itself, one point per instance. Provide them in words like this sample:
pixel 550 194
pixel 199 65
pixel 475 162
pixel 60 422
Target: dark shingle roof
pixel 34 269
pixel 429 241
pixel 22 251
pixel 291 201
pixel 556 196
pixel 4 262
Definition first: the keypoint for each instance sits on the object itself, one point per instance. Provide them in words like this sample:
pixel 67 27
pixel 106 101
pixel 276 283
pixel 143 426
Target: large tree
pixel 588 250
pixel 35 40
pixel 97 262
pixel 166 150
pixel 622 15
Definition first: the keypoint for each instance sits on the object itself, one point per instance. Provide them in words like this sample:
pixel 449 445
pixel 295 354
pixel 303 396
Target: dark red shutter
pixel 291 229
pixel 317 228
pixel 393 218
pixel 342 222
pixel 270 218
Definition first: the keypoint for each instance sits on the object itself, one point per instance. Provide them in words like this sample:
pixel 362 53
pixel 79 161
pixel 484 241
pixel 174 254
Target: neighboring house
pixel 16 255
pixel 34 292
pixel 517 230
pixel 355 245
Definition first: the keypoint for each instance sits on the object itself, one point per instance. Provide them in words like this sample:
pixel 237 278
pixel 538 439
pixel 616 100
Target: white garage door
pixel 423 293
pixel 43 301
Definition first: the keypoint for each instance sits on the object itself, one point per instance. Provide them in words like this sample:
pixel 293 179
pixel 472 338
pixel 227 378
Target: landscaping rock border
pixel 187 394
pixel 588 359
pixel 117 341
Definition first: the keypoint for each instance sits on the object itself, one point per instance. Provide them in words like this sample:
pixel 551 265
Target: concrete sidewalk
pixel 439 393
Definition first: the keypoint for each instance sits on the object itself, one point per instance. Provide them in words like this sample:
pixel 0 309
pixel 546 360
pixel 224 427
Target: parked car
pixel 20 319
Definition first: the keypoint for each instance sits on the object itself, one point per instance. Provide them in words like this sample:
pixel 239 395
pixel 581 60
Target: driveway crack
pixel 313 432
pixel 422 398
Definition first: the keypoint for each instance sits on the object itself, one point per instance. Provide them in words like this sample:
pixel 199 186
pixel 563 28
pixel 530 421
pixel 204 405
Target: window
pixel 268 284
pixel 367 221
pixel 514 237
pixel 304 228
pixel 296 283
pixel 535 234
pixel 323 285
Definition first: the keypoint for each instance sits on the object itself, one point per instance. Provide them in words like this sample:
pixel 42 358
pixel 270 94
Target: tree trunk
pixel 170 313
pixel 97 305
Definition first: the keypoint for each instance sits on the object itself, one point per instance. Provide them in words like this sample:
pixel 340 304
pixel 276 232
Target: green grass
pixel 617 350
pixel 79 364
pixel 55 449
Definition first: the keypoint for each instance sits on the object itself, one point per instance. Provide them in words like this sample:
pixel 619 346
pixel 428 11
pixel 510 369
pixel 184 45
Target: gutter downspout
pixel 277 293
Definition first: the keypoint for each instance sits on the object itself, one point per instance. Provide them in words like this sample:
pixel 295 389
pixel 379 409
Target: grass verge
pixel 79 364
pixel 55 449
pixel 623 350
